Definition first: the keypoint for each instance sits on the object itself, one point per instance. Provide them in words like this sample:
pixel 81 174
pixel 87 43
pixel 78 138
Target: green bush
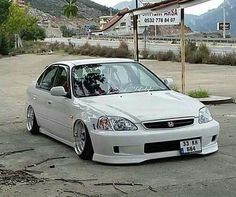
pixel 69 49
pixel 31 47
pixel 33 33
pixel 66 32
pixel 122 51
pixel 5 45
pixel 152 56
pixel 190 47
pixel 231 57
pixel 145 54
pixel 57 46
pixel 222 59
pixel 175 88
pixel 196 54
pixel 104 50
pixel 166 56
pixel 203 53
pixel 199 93
pixel 87 49
pixel 199 54
pixel 4 10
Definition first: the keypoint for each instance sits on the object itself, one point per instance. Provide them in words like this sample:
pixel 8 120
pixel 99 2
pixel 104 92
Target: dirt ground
pixel 39 166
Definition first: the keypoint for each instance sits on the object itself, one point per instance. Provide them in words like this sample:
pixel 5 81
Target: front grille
pixel 161 147
pixel 169 124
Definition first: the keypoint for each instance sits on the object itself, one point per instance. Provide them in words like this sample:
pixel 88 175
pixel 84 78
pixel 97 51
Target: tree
pixel 4 10
pixel 4 13
pixel 70 9
pixel 4 44
pixel 66 32
pixel 18 24
pixel 18 19
pixel 33 33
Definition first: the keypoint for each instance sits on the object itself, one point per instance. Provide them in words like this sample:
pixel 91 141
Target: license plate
pixel 190 146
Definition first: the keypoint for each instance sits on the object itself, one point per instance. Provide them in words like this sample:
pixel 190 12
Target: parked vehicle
pixel 117 111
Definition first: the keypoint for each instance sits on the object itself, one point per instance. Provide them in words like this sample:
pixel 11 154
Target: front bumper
pixel 131 143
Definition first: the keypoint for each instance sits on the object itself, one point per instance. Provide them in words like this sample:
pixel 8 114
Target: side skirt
pixel 56 138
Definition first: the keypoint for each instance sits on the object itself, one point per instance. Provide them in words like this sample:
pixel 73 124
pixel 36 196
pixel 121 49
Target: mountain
pixel 87 9
pixel 204 23
pixel 125 4
pixel 207 22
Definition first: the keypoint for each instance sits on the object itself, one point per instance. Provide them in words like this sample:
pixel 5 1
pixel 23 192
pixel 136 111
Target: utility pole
pixel 135 31
pixel 145 38
pixel 182 40
pixel 110 11
pixel 155 31
pixel 224 21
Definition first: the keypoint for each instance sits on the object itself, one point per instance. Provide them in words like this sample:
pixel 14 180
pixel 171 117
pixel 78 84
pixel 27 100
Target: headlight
pixel 115 123
pixel 204 115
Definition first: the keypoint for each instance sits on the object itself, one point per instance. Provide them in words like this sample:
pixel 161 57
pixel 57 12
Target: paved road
pixel 209 176
pixel 151 46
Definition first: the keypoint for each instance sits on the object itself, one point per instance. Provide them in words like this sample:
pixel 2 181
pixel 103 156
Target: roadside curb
pixel 216 100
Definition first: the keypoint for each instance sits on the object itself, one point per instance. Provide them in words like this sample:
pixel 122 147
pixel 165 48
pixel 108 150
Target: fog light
pixel 116 149
pixel 214 138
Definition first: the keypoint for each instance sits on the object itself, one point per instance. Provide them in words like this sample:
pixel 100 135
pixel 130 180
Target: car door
pixel 41 96
pixel 59 107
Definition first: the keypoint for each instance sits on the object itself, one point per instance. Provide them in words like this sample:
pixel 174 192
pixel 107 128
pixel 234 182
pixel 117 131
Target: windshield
pixel 113 78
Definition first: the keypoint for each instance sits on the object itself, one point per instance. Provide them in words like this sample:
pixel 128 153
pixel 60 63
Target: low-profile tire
pixel 82 141
pixel 31 122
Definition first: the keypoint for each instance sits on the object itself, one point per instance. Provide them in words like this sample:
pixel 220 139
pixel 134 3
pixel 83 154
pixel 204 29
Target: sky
pixel 197 10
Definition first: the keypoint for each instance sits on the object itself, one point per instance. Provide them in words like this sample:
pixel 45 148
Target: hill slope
pixel 207 22
pixel 125 4
pixel 87 9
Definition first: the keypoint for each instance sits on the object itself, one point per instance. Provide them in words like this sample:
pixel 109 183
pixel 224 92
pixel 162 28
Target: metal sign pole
pixel 145 38
pixel 224 20
pixel 182 41
pixel 135 28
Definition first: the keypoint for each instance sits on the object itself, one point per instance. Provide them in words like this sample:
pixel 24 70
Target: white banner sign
pixel 171 17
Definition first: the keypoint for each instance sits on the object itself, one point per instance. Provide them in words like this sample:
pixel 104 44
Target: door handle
pixel 49 102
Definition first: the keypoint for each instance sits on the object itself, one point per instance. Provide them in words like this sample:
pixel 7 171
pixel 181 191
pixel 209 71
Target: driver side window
pixel 62 78
pixel 48 78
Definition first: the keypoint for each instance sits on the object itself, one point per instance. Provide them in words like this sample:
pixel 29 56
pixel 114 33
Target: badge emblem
pixel 171 124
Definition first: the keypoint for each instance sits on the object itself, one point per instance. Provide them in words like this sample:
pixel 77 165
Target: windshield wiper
pixel 116 92
pixel 113 91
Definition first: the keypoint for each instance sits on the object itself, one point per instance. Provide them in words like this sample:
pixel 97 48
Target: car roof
pixel 72 63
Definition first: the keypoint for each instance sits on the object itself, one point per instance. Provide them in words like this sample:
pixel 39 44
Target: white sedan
pixel 117 111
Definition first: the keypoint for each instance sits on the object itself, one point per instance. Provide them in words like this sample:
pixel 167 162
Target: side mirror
pixel 58 91
pixel 169 82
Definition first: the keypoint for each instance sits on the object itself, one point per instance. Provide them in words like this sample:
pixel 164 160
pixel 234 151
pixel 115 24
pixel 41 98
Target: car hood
pixel 145 106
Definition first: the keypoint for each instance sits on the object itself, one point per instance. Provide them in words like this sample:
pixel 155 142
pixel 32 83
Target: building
pixel 104 20
pixel 43 22
pixel 120 24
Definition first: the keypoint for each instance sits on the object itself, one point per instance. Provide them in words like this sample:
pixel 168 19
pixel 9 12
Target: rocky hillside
pixel 87 9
